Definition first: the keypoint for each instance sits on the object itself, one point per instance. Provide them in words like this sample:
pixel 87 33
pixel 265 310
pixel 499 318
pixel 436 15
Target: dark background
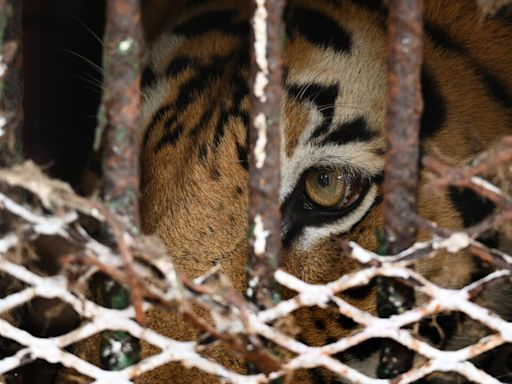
pixel 62 89
pixel 62 47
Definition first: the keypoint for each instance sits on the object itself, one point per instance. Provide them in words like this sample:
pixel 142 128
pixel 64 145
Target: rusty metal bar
pixel 11 82
pixel 265 149
pixel 120 117
pixel 121 98
pixel 404 108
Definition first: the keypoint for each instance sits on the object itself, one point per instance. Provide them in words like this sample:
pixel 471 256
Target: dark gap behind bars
pixel 62 53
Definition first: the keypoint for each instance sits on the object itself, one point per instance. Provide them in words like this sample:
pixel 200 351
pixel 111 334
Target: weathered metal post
pixel 11 82
pixel 265 150
pixel 121 120
pixel 404 109
pixel 122 65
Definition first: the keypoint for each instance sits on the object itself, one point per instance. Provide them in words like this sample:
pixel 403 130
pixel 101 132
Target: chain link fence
pixel 102 236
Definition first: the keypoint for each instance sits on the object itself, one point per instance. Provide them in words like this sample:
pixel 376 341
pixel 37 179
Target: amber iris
pixel 325 187
pixel 328 188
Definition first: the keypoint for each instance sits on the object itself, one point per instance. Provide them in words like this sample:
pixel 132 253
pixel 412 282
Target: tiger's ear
pixel 157 14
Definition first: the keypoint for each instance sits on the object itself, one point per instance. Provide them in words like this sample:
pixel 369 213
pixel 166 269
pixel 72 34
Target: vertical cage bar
pixel 404 108
pixel 265 149
pixel 120 112
pixel 405 105
pixel 11 82
pixel 121 99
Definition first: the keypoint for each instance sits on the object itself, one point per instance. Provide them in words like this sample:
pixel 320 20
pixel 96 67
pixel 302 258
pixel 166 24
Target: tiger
pixel 194 152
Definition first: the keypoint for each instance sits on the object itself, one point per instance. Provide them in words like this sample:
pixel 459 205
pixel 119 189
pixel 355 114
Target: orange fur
pixel 198 208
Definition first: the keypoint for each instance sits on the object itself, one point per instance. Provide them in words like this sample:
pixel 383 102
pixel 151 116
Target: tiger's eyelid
pixel 346 171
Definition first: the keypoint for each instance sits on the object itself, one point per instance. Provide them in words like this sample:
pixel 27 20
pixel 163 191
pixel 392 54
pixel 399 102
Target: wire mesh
pixel 171 291
pixel 54 210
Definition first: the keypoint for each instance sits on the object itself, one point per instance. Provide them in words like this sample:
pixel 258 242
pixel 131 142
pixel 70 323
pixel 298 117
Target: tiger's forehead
pixel 335 84
pixel 342 79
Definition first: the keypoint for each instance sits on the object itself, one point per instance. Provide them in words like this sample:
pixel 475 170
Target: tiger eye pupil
pixel 324 180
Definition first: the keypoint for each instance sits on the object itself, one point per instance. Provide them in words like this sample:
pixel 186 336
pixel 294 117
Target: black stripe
pixel 148 78
pixel 319 324
pixel 496 87
pixel 472 208
pixel 317 377
pixel 242 156
pixel 222 21
pixel 324 98
pixel 356 130
pixel 244 116
pixel 203 121
pixel 241 88
pixel 191 88
pixel 361 293
pixel 203 152
pixel 159 115
pixel 504 13
pixel 440 328
pixel 220 128
pixel 346 322
pixel 179 64
pixel 442 40
pixel 317 28
pixel 434 109
pixel 378 179
pixel 170 138
pixel 320 95
pixel 363 350
pixel 371 5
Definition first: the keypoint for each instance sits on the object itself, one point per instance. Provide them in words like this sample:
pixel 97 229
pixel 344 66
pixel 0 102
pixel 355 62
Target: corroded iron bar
pixel 403 120
pixel 11 82
pixel 265 149
pixel 404 108
pixel 122 63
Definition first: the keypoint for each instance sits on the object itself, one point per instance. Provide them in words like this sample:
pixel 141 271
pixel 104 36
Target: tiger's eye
pixel 325 187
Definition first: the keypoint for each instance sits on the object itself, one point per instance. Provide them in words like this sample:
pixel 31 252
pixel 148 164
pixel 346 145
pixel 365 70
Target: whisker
pixel 98 86
pixel 85 59
pixel 93 34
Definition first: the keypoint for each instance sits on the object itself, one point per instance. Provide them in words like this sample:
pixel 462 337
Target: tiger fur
pixel 194 154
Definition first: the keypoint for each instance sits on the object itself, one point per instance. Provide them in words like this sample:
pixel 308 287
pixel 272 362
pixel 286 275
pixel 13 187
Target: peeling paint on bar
pixel 260 236
pixel 455 243
pixel 260 49
pixel 3 122
pixel 260 122
pixel 486 185
pixel 265 149
pixel 3 67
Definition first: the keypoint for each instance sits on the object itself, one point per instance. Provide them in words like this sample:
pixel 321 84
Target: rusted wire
pixel 11 82
pixel 237 319
pixel 404 108
pixel 265 149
